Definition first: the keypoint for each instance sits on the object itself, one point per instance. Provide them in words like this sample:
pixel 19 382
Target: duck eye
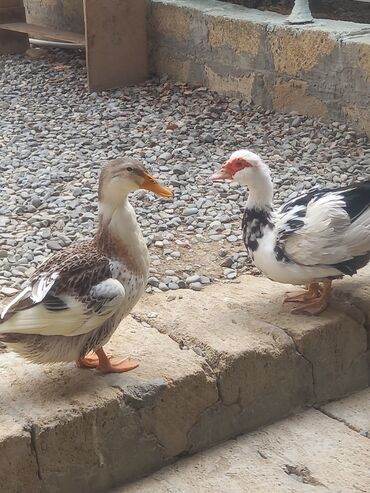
pixel 239 165
pixel 129 169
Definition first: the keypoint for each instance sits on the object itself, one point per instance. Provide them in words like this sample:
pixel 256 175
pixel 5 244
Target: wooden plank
pixel 12 14
pixel 11 43
pixel 44 32
pixel 116 43
pixel 4 4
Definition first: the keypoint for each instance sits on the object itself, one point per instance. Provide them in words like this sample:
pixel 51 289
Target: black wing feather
pixel 356 198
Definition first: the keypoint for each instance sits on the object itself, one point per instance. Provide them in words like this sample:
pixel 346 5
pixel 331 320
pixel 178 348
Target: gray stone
pixel 162 286
pixel 204 280
pixel 191 279
pixel 208 138
pixel 54 245
pixel 195 286
pixel 3 253
pixel 228 262
pixel 165 155
pixel 190 211
pixel 153 281
pixel 8 291
pixel 36 202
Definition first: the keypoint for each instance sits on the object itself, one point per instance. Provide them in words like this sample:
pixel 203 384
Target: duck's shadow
pixel 29 391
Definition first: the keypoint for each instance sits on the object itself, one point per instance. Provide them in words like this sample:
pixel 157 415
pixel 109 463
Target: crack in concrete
pixel 207 367
pixel 343 421
pixel 286 332
pixel 211 367
pixel 144 433
pixel 32 431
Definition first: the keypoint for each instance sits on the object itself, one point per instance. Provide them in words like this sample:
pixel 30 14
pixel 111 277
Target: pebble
pixel 204 280
pixel 190 211
pixel 228 262
pixel 36 202
pixel 56 136
pixel 153 281
pixel 192 279
pixel 8 291
pixel 54 245
pixel 195 286
pixel 197 350
pixel 165 156
pixel 3 253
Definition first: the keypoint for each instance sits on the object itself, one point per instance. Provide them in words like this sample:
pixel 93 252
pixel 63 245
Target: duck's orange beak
pixel 153 185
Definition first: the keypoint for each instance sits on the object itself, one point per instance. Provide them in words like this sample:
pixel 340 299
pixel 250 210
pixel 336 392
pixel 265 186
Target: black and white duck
pixel 319 236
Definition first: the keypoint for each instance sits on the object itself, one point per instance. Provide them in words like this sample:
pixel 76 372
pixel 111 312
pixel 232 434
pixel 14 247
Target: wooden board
pixel 116 43
pixel 44 32
pixel 11 3
pixel 11 42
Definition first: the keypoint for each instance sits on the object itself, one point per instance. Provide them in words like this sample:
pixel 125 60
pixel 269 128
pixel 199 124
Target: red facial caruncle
pixel 229 169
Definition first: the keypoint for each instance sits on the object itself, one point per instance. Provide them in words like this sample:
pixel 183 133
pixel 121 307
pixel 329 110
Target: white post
pixel 301 13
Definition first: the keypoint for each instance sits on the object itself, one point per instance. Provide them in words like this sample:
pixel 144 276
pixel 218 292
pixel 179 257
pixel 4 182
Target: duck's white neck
pixel 261 190
pixel 120 235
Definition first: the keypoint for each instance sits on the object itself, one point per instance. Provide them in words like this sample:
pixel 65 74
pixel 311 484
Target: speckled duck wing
pixel 73 293
pixel 327 227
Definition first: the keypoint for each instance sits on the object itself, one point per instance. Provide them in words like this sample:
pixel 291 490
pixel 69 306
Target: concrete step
pixel 308 452
pixel 214 364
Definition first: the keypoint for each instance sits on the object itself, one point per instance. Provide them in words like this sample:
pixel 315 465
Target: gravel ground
pixel 55 136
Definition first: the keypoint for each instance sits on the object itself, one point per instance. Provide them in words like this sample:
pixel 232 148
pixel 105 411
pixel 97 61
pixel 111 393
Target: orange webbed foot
pixel 105 364
pixel 313 292
pixel 318 302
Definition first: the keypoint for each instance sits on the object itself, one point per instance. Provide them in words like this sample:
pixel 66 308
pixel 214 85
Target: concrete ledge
pixel 317 70
pixel 311 451
pixel 214 364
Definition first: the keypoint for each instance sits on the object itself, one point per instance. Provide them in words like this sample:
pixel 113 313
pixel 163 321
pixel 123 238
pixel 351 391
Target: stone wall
pixel 321 69
pixel 66 15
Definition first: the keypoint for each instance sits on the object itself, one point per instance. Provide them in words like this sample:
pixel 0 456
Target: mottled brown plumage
pixel 75 300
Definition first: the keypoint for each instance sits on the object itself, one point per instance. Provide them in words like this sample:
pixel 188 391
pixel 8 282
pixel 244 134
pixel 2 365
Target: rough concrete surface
pixel 76 430
pixel 249 318
pixel 353 412
pixel 214 364
pixel 308 452
pixel 319 69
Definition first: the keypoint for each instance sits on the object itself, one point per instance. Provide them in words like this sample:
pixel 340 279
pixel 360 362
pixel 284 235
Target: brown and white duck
pixel 74 302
